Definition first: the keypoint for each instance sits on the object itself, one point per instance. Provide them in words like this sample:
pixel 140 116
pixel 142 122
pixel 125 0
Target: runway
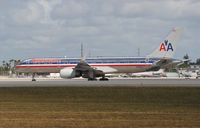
pixel 110 83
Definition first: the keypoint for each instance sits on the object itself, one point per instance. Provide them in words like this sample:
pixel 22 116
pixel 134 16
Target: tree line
pixel 197 62
pixel 8 67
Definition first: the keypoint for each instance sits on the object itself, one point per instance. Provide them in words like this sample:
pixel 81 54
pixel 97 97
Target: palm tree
pixel 4 63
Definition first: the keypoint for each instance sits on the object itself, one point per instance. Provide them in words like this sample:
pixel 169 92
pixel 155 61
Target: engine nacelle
pixel 67 73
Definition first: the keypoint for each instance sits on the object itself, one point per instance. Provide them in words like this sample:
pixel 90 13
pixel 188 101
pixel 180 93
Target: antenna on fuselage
pixel 82 56
pixel 81 50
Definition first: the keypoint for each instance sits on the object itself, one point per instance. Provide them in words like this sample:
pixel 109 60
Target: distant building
pixel 194 68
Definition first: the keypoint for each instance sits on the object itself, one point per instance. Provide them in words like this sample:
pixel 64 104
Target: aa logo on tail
pixel 166 46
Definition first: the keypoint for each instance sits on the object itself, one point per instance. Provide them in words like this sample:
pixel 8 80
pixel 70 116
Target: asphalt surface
pixel 110 83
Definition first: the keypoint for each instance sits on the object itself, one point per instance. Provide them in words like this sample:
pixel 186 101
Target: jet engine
pixel 68 73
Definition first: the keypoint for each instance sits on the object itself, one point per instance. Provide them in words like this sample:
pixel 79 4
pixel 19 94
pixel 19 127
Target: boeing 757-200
pixel 91 68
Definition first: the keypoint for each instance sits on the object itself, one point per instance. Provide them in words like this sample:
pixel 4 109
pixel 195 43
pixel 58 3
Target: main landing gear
pixel 104 79
pixel 101 79
pixel 92 77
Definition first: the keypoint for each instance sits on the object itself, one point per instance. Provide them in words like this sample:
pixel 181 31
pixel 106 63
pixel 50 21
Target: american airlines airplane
pixel 91 68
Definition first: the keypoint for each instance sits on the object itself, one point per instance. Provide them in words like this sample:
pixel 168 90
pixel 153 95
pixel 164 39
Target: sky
pixel 57 28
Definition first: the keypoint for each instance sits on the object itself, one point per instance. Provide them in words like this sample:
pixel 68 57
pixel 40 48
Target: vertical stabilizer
pixel 167 47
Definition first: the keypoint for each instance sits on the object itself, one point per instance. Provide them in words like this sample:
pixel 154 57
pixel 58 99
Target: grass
pixel 90 107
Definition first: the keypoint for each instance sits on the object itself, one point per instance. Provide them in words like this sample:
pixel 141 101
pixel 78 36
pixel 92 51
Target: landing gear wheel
pixel 104 79
pixel 92 79
pixel 33 79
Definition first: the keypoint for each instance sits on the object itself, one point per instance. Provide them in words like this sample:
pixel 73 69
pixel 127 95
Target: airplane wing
pixel 164 62
pixel 168 63
pixel 87 71
pixel 82 69
pixel 161 64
